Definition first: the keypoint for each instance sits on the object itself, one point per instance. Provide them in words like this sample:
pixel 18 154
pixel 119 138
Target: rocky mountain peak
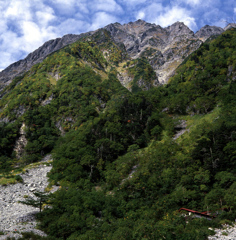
pixel 205 32
pixel 136 28
pixel 179 28
pixel 230 25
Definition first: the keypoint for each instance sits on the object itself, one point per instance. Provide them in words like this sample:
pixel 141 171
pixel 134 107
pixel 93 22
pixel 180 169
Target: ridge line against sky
pixel 26 24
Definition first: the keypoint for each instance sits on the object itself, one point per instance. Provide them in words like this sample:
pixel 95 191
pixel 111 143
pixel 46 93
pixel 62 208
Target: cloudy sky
pixel 26 24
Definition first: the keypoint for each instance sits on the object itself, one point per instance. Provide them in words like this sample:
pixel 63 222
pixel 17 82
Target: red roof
pixel 204 214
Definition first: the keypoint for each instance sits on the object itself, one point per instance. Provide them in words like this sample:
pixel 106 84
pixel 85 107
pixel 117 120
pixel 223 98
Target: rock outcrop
pixel 230 25
pixel 21 142
pixel 207 31
pixel 165 48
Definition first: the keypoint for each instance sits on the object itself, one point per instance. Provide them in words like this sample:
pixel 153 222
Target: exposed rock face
pixel 16 217
pixel 21 142
pixel 205 32
pixel 124 79
pixel 230 25
pixel 165 48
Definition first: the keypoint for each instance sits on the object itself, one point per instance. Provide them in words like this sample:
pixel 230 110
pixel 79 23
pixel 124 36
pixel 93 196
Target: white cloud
pixel 234 10
pixel 72 26
pixel 141 15
pixel 17 10
pixel 196 3
pixel 44 18
pixel 105 6
pixel 150 12
pixel 102 19
pixel 172 15
pixel 193 2
pixel 24 26
pixel 70 7
pixel 66 4
pixel 189 2
pixel 64 7
pixel 33 35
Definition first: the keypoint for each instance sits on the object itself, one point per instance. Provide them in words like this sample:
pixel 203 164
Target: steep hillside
pixel 122 167
pixel 20 67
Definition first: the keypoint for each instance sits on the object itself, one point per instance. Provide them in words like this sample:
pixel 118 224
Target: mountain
pixel 165 47
pixel 207 31
pixel 128 152
pixel 20 67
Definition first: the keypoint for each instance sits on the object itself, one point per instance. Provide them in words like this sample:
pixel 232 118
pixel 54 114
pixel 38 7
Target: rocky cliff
pixel 165 48
pixel 207 31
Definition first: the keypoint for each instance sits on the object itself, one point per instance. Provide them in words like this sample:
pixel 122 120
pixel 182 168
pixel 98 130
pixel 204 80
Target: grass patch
pixel 7 180
pixel 14 177
pixel 52 79
pixel 197 124
pixel 10 179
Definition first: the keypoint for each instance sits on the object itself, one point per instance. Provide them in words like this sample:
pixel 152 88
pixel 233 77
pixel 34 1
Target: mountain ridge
pixel 134 45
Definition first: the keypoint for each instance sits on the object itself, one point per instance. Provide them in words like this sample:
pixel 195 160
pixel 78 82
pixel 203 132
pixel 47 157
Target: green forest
pixel 123 172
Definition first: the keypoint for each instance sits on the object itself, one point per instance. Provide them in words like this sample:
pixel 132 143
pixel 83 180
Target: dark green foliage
pixel 8 135
pixel 41 198
pixel 202 77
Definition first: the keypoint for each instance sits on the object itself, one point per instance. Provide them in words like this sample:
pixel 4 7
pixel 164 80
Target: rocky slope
pixel 226 233
pixel 16 217
pixel 205 32
pixel 165 48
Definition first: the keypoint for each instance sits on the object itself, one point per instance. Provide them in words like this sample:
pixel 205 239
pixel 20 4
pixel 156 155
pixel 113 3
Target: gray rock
pixel 169 45
pixel 230 25
pixel 226 233
pixel 207 31
pixel 17 216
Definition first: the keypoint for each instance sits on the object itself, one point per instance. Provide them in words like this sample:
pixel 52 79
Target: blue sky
pixel 26 24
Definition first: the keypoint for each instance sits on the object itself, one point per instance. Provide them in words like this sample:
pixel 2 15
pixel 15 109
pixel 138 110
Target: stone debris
pixel 226 233
pixel 16 217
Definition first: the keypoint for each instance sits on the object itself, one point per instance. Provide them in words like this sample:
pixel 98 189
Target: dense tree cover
pixel 121 173
pixel 8 134
pixel 75 93
pixel 203 77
